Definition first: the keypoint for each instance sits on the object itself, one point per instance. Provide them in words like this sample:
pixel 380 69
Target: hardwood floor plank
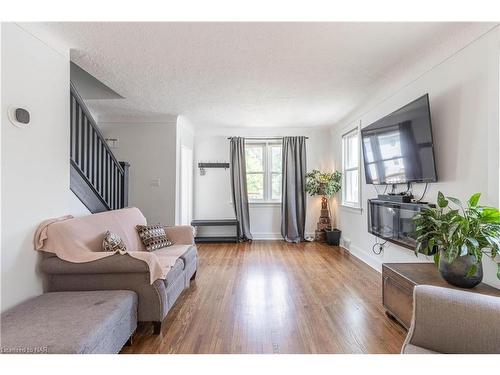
pixel 276 297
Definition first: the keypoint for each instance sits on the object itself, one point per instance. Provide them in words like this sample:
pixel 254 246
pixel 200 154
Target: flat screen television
pixel 399 148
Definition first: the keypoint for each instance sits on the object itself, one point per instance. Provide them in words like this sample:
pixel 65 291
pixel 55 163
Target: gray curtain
pixel 293 204
pixel 239 187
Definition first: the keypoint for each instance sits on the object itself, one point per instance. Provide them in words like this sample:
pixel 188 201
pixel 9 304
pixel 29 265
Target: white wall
pixel 150 148
pixel 35 161
pixel 464 102
pixel 212 192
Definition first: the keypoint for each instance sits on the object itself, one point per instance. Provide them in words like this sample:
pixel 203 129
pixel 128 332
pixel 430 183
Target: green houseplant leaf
pixel 464 250
pixel 473 241
pixel 491 215
pixel 472 270
pixel 436 258
pixel 474 199
pixel 442 201
pixel 455 200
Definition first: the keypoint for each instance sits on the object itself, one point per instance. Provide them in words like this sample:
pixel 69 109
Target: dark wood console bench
pixel 217 223
pixel 399 279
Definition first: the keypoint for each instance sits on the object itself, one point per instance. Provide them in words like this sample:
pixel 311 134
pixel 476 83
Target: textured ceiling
pixel 248 74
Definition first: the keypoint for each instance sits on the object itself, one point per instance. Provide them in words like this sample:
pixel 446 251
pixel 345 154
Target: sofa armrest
pixel 113 264
pixel 181 234
pixel 453 321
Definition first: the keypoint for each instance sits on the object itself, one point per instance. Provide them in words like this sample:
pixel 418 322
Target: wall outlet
pixel 155 182
pixel 346 243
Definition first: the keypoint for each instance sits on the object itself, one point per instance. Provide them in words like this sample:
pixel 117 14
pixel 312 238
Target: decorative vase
pixel 324 222
pixel 333 237
pixel 455 272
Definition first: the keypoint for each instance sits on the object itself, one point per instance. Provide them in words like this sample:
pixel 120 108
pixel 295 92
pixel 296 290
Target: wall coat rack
pixel 203 166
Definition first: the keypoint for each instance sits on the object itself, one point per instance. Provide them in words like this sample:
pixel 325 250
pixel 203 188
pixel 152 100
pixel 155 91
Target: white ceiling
pixel 248 74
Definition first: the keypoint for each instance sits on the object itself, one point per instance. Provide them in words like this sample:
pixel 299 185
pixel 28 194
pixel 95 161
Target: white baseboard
pixel 267 236
pixel 272 236
pixel 366 257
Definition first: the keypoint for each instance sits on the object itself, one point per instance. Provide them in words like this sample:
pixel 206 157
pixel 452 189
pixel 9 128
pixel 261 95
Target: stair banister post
pixel 124 196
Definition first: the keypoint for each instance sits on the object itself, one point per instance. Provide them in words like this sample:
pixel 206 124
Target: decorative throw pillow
pixel 153 237
pixel 113 242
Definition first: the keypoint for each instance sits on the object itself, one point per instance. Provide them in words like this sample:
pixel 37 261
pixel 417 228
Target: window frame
pixel 353 131
pixel 268 172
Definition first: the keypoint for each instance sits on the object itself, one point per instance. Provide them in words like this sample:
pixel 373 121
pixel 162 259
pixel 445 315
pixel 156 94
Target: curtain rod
pixel 263 138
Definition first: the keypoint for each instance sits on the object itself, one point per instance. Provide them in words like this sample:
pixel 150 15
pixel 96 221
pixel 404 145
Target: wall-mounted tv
pixel 399 148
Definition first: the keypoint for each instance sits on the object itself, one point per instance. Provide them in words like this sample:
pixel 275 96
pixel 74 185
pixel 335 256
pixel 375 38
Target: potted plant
pixel 459 237
pixel 326 185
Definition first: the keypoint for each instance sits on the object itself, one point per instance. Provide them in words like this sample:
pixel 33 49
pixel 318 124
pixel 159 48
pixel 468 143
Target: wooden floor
pixel 274 297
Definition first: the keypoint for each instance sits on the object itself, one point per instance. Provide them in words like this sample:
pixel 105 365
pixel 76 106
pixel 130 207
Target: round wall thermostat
pixel 19 117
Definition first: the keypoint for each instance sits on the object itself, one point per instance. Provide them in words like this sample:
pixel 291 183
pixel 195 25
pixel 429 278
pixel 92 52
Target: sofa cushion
pixel 180 234
pixel 185 252
pixel 71 322
pixel 114 264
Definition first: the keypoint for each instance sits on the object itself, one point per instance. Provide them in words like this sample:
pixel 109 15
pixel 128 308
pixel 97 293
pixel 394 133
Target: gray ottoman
pixel 70 322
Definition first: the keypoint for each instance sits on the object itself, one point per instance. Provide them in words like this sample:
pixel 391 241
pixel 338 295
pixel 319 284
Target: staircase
pixel 96 177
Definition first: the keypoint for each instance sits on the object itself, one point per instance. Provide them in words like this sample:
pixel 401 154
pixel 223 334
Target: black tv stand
pixel 393 221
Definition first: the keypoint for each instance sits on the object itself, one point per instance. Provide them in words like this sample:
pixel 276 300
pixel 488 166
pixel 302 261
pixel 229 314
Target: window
pixel 263 162
pixel 351 169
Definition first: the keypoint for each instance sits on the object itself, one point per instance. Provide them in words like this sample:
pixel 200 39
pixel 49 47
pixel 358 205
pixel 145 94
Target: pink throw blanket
pixel 79 240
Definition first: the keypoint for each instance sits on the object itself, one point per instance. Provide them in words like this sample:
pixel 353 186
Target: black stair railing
pixel 97 178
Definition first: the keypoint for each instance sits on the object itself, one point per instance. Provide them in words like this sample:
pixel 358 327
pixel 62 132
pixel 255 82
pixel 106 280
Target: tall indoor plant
pixel 326 185
pixel 459 237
